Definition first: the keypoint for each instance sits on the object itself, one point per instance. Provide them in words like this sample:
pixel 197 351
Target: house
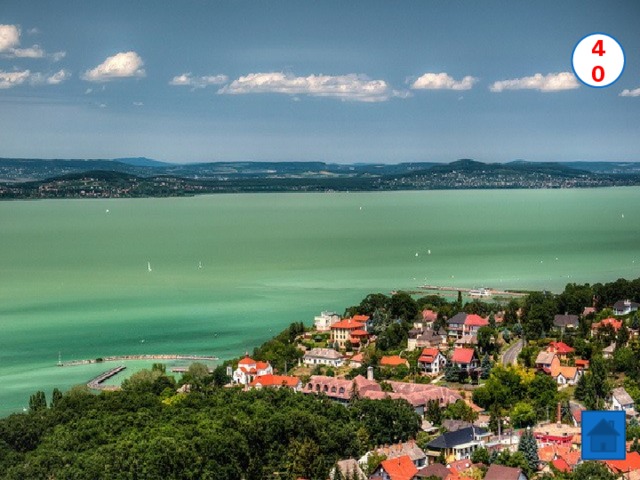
pixel 582 364
pixel 621 400
pixel 399 468
pixel 624 307
pixel 576 414
pixel 500 472
pixel 359 337
pixel 357 360
pixel 458 445
pixel 323 356
pixel 393 361
pixel 434 470
pixel 276 381
pixel 565 322
pixel 428 338
pixel 323 322
pixel 455 325
pixel 466 341
pixel 349 468
pixel 563 375
pixel 602 437
pixel 248 369
pixel 473 323
pixel 561 349
pixel 432 362
pixel 588 311
pixel 615 324
pixel 625 467
pixel 426 320
pixel 341 331
pixel 544 360
pixel 465 358
pixel 410 449
pixel 366 319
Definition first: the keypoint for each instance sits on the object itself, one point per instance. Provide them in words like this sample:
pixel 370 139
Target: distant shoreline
pixel 121 358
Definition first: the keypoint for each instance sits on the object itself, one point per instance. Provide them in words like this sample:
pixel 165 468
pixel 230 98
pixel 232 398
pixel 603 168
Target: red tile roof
pixel 399 468
pixel 247 360
pixel 616 324
pixel 359 333
pixel 275 381
pixel 361 318
pixel 560 347
pixel 429 315
pixel 349 324
pixel 629 464
pixel 462 355
pixel 561 464
pixel 393 361
pixel 582 363
pixel 474 320
pixel 429 355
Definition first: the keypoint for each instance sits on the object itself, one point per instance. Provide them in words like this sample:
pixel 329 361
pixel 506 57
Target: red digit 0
pixel 597 73
pixel 598 48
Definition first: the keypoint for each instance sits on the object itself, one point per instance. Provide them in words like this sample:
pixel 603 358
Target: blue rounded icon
pixel 604 435
pixel 598 60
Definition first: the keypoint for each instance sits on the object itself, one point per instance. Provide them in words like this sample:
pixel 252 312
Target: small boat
pixel 149 266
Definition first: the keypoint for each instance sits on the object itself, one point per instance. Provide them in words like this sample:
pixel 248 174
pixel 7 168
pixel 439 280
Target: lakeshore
pixel 269 260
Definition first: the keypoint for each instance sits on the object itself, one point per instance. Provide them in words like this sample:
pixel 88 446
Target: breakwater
pixel 97 382
pixel 121 358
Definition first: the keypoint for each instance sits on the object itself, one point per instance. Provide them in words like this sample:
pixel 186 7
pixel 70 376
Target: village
pixel 447 368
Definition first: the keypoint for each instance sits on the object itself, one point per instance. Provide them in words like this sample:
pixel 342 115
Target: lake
pixel 217 275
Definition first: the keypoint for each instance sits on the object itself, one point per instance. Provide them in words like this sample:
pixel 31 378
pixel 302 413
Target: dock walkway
pixel 122 358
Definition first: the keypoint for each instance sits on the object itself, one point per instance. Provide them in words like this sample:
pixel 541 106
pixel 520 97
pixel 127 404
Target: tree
pixel 459 410
pixel 403 306
pixel 528 447
pixel 452 372
pixel 485 367
pixel 433 412
pixel 523 415
pixel 37 402
pixel 56 396
pixel 623 336
pixel 635 322
pixel 220 377
pixel 485 339
pixel 593 471
pixel 480 455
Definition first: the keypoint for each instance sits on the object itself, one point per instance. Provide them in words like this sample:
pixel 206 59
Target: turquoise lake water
pixel 229 271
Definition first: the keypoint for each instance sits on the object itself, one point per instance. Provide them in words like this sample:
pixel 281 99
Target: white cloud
pixel 443 81
pixel 186 80
pixel 121 65
pixel 33 31
pixel 58 77
pixel 12 79
pixel 57 56
pixel 9 38
pixel 32 52
pixel 138 104
pixel 630 93
pixel 552 82
pixel 346 87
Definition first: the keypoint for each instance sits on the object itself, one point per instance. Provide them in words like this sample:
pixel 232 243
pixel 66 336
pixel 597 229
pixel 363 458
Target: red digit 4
pixel 598 48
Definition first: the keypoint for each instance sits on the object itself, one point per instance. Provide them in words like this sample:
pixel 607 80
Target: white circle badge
pixel 598 60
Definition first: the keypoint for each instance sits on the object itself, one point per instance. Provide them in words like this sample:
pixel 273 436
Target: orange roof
pixel 359 357
pixel 474 320
pixel 262 365
pixel 567 372
pixel 428 355
pixel 361 318
pixel 399 468
pixel 629 464
pixel 462 355
pixel 582 363
pixel 560 347
pixel 247 360
pixel 275 381
pixel 359 333
pixel 349 324
pixel 429 315
pixel 393 361
pixel 561 465
pixel 616 324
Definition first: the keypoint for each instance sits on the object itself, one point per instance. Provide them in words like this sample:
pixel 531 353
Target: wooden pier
pixel 469 291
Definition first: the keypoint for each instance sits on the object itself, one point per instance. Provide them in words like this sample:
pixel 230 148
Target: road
pixel 511 355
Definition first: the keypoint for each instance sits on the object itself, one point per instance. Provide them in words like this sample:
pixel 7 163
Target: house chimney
pixel 370 373
pixel 559 414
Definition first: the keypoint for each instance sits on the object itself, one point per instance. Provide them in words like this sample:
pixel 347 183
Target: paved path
pixel 510 357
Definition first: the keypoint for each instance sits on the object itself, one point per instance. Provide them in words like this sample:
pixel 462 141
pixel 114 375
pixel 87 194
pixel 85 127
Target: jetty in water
pixel 97 383
pixel 474 292
pixel 123 358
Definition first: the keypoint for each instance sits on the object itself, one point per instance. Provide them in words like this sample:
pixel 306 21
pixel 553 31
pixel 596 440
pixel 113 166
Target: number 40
pixel 598 72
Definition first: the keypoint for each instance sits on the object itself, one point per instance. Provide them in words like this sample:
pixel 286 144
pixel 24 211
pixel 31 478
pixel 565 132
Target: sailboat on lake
pixel 149 266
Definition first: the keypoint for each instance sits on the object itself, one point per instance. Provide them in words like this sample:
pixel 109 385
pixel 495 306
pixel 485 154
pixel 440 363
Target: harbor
pixel 124 358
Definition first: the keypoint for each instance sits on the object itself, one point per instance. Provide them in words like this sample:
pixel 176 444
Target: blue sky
pixel 336 81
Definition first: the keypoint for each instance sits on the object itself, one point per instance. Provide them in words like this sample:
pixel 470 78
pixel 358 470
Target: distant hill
pixel 142 162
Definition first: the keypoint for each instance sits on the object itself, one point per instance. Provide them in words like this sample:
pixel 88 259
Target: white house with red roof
pixel 465 358
pixel 341 331
pixel 276 381
pixel 248 369
pixel 473 323
pixel 432 362
pixel 561 349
